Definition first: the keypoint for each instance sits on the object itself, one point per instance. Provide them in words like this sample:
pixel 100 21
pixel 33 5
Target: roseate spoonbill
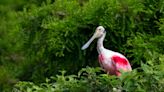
pixel 111 62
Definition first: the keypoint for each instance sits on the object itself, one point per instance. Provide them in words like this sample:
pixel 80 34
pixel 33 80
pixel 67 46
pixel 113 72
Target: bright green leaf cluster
pixel 89 80
pixel 39 38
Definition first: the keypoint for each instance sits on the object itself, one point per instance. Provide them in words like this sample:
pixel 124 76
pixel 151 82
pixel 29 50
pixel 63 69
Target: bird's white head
pixel 99 32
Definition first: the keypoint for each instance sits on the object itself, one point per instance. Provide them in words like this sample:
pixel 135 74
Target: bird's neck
pixel 100 46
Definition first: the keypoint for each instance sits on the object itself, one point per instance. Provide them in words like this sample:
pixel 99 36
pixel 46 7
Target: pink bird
pixel 111 62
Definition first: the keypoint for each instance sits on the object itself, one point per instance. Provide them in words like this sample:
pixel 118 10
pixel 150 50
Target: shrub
pixel 88 80
pixel 39 39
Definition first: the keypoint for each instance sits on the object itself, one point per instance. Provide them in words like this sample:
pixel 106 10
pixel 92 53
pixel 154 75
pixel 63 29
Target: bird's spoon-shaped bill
pixel 89 42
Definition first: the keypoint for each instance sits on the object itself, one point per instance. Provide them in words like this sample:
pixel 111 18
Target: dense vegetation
pixel 40 45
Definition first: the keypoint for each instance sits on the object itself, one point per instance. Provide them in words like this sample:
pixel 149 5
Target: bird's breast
pixel 105 61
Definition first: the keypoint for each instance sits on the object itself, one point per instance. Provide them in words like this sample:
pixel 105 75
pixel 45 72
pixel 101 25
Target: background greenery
pixel 40 45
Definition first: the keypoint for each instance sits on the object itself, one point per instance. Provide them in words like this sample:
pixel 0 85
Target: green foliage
pixel 88 80
pixel 39 38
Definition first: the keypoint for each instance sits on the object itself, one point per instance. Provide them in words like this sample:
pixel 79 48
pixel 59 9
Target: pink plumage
pixel 112 62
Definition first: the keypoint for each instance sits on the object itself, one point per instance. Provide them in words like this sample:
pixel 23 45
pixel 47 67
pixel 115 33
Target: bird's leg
pixel 118 73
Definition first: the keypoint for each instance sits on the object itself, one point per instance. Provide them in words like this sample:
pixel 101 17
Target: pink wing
pixel 121 64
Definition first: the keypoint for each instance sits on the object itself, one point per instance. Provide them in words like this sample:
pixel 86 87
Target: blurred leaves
pixel 89 80
pixel 39 38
